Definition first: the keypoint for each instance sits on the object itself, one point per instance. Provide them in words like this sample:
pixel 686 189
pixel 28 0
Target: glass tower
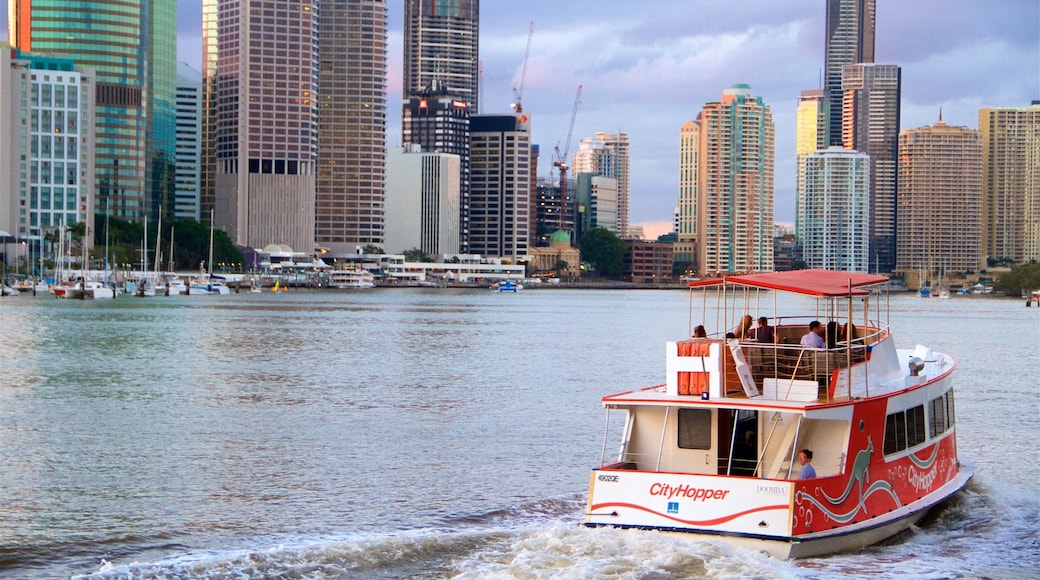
pixel 132 47
pixel 850 40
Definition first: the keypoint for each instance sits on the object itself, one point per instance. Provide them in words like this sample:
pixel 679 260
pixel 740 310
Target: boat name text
pixel 922 480
pixel 771 489
pixel 694 493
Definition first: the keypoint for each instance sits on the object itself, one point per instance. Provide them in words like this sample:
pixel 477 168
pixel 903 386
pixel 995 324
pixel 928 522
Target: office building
pixel 189 143
pixel 596 197
pixel 812 129
pixel 440 123
pixel 267 122
pixel 501 185
pixel 132 48
pixel 441 50
pixel 1011 183
pixel 850 40
pixel 940 203
pixel 870 124
pixel 835 224
pixel 46 146
pixel 727 160
pixel 552 213
pixel 607 155
pixel 422 201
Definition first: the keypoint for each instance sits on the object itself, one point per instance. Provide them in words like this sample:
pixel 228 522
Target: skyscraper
pixel 351 177
pixel 812 126
pixel 441 49
pixel 422 201
pixel 835 192
pixel 850 40
pixel 267 121
pixel 606 155
pixel 132 48
pixel 1011 183
pixel 189 142
pixel 441 84
pixel 500 194
pixel 733 144
pixel 870 124
pixel 940 201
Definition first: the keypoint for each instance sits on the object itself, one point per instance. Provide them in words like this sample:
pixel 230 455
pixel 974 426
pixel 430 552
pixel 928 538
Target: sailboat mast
pixel 209 264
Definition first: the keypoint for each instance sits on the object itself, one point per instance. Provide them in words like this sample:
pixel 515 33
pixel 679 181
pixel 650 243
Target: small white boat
pixel 715 451
pixel 97 290
pixel 9 291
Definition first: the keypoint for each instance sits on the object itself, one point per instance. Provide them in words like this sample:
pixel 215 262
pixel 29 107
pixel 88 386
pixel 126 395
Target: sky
pixel 646 68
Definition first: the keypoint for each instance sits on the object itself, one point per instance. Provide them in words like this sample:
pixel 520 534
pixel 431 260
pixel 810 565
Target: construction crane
pixel 561 161
pixel 518 91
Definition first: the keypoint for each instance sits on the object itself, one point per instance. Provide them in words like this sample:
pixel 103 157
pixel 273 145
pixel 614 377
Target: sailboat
pixel 210 285
pixel 145 288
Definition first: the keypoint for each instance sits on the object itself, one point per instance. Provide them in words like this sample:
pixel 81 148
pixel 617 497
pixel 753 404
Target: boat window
pixel 942 414
pixel 904 429
pixel 895 433
pixel 694 429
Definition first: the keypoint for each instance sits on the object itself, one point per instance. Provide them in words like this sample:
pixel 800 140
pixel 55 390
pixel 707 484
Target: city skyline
pixel 648 72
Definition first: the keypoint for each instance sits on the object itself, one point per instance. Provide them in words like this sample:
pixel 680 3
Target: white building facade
pixel 836 210
pixel 422 201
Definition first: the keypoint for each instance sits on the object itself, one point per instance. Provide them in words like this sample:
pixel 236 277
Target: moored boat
pixel 717 450
pixel 353 278
pixel 508 285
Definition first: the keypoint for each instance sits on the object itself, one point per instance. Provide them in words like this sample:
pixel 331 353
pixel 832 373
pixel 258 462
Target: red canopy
pixel 806 282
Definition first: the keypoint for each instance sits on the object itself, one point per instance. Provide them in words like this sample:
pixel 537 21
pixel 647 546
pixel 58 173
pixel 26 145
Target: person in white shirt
pixel 814 338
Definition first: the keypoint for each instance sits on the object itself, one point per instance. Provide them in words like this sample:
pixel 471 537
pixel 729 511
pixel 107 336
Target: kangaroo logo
pixel 860 474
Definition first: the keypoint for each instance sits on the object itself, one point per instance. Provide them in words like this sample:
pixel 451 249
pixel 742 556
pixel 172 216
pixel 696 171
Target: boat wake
pixel 544 539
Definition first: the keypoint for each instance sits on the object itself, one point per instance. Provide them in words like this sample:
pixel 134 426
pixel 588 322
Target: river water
pixel 422 433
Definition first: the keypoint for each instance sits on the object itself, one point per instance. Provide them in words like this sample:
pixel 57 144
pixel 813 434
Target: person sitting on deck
pixel 763 332
pixel 805 460
pixel 699 332
pixel 743 330
pixel 814 338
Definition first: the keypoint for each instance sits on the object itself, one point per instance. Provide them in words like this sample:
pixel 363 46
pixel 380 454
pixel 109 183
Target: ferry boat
pixel 716 451
pixel 353 278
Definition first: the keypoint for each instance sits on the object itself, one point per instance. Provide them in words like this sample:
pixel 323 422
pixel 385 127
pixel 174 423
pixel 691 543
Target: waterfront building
pixel 422 201
pixel 607 155
pixel 940 202
pixel 731 145
pixel 559 258
pixel 1011 183
pixel 647 262
pixel 850 40
pixel 350 181
pixel 687 211
pixel 208 164
pixel 596 198
pixel 439 122
pixel 501 185
pixel 870 124
pixel 189 143
pixel 812 126
pixel 46 146
pixel 131 46
pixel 267 121
pixel 836 210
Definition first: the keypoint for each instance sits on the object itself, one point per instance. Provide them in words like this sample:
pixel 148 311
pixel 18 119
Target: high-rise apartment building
pixel 422 201
pixel 835 192
pixel 812 135
pixel 132 48
pixel 870 124
pixel 1011 183
pixel 189 142
pixel 607 155
pixel 687 212
pixel 501 185
pixel 850 40
pixel 940 202
pixel 732 144
pixel 267 121
pixel 441 83
pixel 46 146
pixel 350 186
pixel 441 49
